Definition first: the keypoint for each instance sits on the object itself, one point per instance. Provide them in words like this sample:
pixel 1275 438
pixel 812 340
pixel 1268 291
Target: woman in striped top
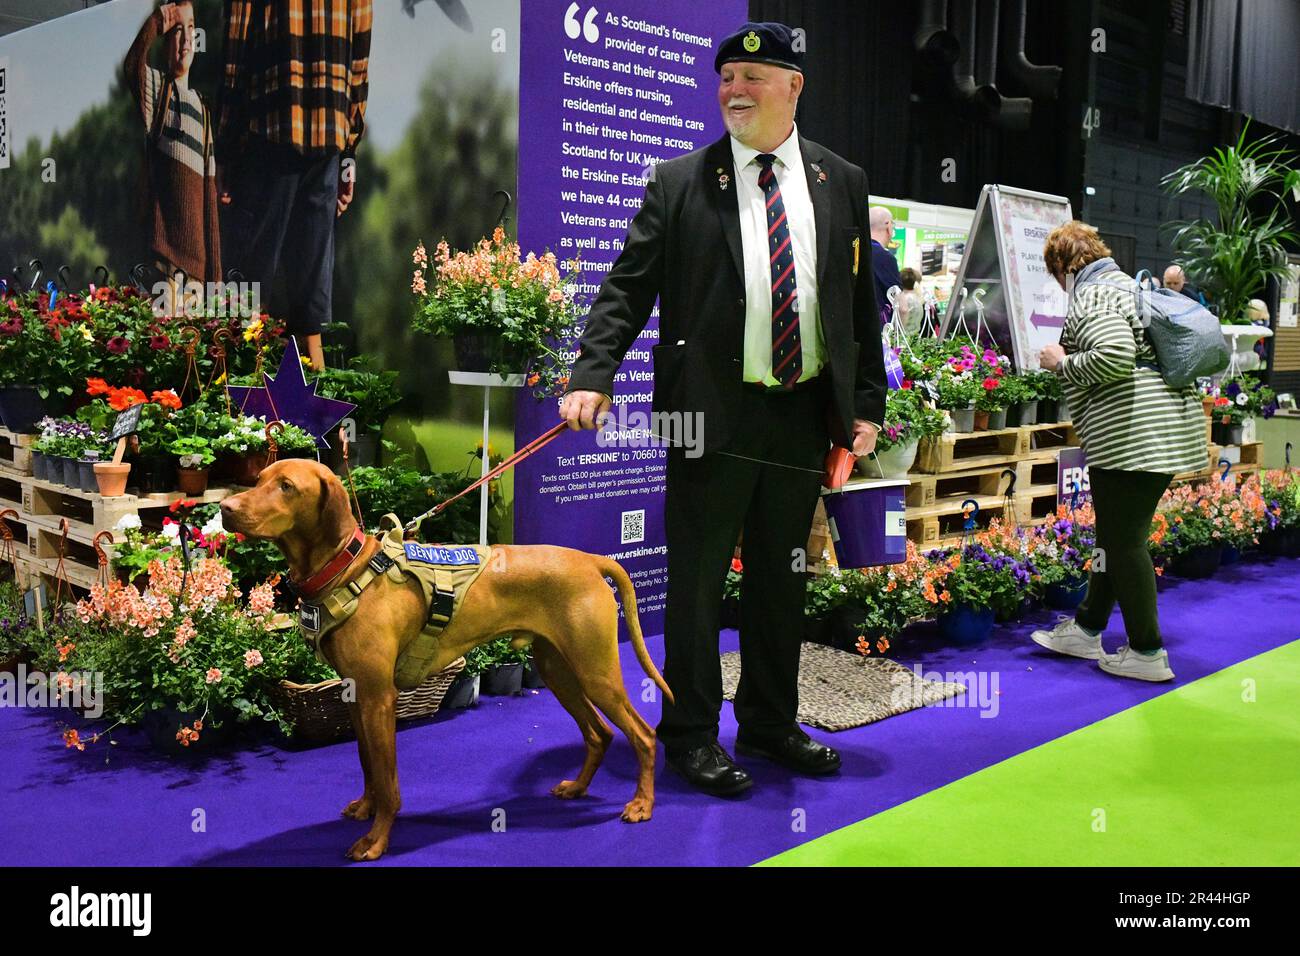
pixel 1137 433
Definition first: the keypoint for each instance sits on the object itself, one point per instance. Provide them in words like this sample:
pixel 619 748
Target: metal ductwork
pixel 962 22
pixel 932 35
pixel 1041 81
pixel 1008 112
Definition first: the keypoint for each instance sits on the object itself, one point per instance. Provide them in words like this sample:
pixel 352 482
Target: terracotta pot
pixel 244 469
pixel 192 481
pixel 111 478
pixel 981 421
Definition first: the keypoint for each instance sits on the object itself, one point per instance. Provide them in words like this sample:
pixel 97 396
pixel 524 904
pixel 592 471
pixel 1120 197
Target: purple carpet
pixel 461 771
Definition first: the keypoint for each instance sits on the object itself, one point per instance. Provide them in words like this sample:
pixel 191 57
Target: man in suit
pixel 884 265
pixel 769 334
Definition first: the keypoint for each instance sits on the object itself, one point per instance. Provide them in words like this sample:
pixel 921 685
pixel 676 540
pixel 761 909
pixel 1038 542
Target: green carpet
pixel 1199 776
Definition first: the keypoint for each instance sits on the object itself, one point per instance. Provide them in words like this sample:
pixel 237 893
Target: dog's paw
pixel 369 847
pixel 568 790
pixel 362 808
pixel 638 810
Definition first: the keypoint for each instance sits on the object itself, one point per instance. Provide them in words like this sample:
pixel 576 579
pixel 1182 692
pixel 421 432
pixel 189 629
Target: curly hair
pixel 1072 246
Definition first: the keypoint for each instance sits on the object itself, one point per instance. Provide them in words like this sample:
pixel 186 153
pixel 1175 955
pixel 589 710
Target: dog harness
pixel 444 572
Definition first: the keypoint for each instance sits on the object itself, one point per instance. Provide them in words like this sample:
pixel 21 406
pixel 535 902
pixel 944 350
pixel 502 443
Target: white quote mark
pixel 588 29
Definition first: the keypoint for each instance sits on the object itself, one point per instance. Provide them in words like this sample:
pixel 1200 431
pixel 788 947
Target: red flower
pixel 907 383
pixel 737 566
pixel 990 384
pixel 120 399
pixel 118 344
pixel 167 399
pixel 159 342
pixel 12 326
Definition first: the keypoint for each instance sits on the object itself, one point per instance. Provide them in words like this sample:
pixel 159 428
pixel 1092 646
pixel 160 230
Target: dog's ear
pixel 332 505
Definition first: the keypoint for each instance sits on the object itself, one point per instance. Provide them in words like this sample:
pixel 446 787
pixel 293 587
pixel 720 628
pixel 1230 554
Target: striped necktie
pixel 786 361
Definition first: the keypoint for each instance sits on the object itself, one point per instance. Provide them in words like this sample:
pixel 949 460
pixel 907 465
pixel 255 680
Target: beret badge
pixel 751 42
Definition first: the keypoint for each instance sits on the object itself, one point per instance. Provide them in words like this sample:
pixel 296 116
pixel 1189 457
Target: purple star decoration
pixel 289 398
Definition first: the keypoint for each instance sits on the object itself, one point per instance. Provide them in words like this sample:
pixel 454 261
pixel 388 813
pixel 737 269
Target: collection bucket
pixel 868 522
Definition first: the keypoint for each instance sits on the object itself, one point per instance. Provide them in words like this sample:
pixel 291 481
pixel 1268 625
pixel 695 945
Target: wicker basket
pixel 319 714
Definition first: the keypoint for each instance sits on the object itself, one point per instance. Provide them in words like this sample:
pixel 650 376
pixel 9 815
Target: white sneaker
pixel 1126 662
pixel 1070 639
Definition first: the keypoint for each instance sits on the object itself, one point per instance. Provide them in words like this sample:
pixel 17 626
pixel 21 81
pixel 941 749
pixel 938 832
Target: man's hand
pixel 1050 357
pixel 864 437
pixel 346 187
pixel 223 196
pixel 584 409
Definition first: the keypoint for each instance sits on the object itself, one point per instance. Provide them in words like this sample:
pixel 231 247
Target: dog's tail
pixel 627 594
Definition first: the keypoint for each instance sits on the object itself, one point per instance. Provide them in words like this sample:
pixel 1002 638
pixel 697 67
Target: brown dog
pixel 554 598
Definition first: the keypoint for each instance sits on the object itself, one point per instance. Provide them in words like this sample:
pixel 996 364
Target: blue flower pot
pixel 1199 562
pixel 1066 595
pixel 965 625
pixel 1231 554
pixel 21 407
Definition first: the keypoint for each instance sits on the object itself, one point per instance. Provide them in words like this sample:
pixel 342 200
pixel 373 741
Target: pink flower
pixel 213 676
pixel 252 658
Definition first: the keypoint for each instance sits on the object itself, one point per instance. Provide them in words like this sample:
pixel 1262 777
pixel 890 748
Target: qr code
pixel 633 526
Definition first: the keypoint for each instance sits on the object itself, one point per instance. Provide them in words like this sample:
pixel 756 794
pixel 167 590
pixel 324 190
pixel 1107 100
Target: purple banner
pixel 606 90
pixel 1072 470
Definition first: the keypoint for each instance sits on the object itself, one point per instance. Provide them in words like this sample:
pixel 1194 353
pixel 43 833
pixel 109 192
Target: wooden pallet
pixel 1053 436
pixel 945 519
pixel 16 452
pixel 963 451
pixel 926 490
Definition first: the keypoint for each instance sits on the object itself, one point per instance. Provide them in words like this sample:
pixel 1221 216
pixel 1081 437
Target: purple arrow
pixel 1047 321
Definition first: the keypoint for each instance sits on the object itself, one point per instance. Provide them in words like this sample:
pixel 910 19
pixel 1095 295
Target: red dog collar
pixel 315 584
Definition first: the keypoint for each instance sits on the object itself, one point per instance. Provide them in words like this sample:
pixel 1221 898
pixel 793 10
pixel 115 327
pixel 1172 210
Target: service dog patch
pixel 440 554
pixel 309 616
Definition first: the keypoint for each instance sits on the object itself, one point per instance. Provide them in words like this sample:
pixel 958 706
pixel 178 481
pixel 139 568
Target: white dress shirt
pixel 793 182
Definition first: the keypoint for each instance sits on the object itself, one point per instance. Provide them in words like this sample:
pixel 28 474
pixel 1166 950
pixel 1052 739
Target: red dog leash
pixel 535 445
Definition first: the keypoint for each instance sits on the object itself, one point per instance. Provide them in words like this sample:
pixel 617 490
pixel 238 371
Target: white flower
pixel 172 532
pixel 1242 398
pixel 127 522
pixel 214 525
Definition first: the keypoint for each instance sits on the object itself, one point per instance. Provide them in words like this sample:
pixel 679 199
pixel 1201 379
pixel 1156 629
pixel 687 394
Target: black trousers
pixel 280 225
pixel 765 481
pixel 1124 502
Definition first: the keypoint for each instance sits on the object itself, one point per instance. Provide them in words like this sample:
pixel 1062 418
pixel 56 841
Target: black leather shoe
pixel 708 768
pixel 793 749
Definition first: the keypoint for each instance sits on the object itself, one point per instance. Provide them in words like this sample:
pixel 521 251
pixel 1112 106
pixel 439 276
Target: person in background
pixel 1176 281
pixel 180 168
pixel 776 354
pixel 884 264
pixel 292 111
pixel 911 304
pixel 1137 433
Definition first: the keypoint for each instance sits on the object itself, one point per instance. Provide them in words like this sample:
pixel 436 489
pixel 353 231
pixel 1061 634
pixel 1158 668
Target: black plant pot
pixel 1199 562
pixel 1047 409
pixel 21 407
pixel 1281 542
pixel 86 476
pixel 462 693
pixel 1065 595
pixel 40 466
pixel 845 626
pixel 817 630
pixel 501 680
pixel 71 472
pixel 54 469
pixel 533 677
pixel 163 725
pixel 155 475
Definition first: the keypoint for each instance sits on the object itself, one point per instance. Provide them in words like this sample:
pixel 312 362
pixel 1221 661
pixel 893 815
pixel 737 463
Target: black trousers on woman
pixel 1124 502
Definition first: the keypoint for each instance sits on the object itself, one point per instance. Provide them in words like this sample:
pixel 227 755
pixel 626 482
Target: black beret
pixel 760 43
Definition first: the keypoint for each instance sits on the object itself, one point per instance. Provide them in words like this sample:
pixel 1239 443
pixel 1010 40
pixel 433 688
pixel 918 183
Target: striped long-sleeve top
pixel 181 201
pixel 1126 416
pixel 296 73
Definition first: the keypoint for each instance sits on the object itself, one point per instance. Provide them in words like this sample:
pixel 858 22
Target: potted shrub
pixel 194 457
pixel 1232 259
pixel 1064 547
pixel 822 595
pixel 464 690
pixel 17 632
pixel 908 419
pixel 503 672
pixel 374 392
pixel 1022 400
pixel 504 313
pixel 1281 494
pixel 966 586
pixel 1190 540
pixel 1050 391
pixel 242 443
pixel 957 393
pixel 533 679
pixel 1229 420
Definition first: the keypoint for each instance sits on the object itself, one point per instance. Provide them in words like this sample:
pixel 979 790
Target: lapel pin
pixel 723 180
pixel 821 177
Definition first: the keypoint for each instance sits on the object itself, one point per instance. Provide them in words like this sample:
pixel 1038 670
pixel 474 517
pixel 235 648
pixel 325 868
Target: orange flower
pixel 97 386
pixel 882 645
pixel 120 399
pixel 863 645
pixel 167 399
pixel 73 739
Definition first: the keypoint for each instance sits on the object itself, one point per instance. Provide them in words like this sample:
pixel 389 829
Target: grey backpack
pixel 1183 333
